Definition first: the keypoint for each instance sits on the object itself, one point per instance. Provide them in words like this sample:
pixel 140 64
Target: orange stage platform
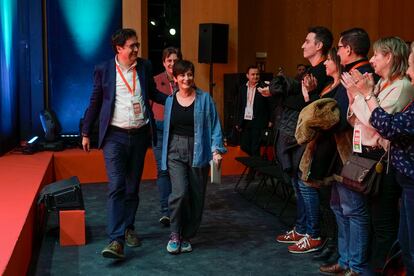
pixel 23 176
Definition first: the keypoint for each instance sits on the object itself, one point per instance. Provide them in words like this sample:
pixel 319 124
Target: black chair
pixel 254 162
pixel 279 182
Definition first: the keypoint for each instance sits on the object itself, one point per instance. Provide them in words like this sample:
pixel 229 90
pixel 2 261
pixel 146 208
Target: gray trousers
pixel 188 184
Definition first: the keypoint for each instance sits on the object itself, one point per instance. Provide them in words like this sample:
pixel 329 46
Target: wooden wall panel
pixel 213 11
pixel 354 13
pixel 395 19
pixel 135 16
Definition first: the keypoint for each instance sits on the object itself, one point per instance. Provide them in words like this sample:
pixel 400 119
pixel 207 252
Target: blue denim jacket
pixel 207 130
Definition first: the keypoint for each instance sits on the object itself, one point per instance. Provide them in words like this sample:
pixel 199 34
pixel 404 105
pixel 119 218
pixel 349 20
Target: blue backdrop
pixel 79 33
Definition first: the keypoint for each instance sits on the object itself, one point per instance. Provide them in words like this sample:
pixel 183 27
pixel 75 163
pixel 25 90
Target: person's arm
pixel 392 126
pixel 95 104
pixel 216 133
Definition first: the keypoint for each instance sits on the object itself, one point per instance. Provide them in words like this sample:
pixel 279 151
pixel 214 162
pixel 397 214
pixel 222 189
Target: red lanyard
pixel 359 64
pixel 387 83
pixel 134 76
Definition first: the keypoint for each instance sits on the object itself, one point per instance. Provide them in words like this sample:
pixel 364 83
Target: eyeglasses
pixel 133 46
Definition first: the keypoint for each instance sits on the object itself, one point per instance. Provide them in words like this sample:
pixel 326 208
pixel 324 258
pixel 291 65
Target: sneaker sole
pixel 186 250
pixel 132 245
pixel 173 252
pixel 165 222
pixel 291 242
pixel 304 252
pixel 112 255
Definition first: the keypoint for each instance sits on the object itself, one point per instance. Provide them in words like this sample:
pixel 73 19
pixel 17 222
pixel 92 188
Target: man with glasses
pixel 120 98
pixel 348 206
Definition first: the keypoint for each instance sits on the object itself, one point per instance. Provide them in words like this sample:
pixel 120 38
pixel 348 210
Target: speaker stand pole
pixel 211 81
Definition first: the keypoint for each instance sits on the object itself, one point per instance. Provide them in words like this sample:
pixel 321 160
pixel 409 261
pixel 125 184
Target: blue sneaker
pixel 173 245
pixel 185 246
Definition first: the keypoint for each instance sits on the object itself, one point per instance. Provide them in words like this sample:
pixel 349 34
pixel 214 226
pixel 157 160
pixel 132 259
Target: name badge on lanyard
pixel 248 110
pixel 357 140
pixel 248 113
pixel 136 102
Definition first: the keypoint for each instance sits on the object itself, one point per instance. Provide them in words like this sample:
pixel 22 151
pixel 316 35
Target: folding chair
pixel 254 162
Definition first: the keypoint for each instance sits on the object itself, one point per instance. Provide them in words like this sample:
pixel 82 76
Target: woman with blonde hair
pixel 393 92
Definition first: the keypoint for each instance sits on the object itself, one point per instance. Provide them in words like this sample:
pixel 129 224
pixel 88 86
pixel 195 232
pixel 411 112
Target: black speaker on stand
pixel 213 41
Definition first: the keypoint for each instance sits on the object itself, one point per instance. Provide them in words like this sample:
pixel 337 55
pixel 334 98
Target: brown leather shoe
pixel 331 269
pixel 114 250
pixel 131 238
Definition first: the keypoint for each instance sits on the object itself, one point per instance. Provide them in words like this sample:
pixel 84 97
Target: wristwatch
pixel 367 98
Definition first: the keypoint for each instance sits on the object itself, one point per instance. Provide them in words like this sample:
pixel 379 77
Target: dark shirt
pixel 399 129
pixel 182 119
pixel 297 102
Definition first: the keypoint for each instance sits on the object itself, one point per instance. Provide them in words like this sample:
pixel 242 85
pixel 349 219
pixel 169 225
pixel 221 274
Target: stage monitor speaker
pixel 62 195
pixel 213 43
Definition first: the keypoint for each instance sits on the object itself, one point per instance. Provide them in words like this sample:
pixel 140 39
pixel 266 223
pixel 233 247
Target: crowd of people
pixel 373 99
pixel 369 114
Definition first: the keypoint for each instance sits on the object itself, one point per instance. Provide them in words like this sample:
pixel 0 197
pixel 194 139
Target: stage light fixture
pixel 172 31
pixel 33 140
pixel 153 23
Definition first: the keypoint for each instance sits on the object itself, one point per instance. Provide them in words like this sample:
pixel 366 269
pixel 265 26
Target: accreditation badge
pixel 137 107
pixel 248 113
pixel 357 140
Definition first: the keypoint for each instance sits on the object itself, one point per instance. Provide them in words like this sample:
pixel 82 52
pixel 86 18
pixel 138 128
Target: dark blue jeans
pixel 301 225
pixel 406 230
pixel 311 204
pixel 124 161
pixel 350 209
pixel 163 178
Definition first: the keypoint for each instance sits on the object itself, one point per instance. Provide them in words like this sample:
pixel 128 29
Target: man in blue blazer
pixel 120 97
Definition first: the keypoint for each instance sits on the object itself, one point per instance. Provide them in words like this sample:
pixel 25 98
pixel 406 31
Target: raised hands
pixel 357 84
pixel 309 83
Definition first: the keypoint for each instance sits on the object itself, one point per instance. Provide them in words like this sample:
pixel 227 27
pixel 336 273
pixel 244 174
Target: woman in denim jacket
pixel 192 137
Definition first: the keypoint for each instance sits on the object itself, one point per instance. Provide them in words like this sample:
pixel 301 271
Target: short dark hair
pixel 182 66
pixel 171 50
pixel 324 35
pixel 300 65
pixel 357 39
pixel 252 67
pixel 121 36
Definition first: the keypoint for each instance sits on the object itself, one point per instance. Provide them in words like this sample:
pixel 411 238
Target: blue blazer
pixel 102 101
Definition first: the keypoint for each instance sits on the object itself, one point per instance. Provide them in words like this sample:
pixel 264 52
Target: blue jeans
pixel 406 229
pixel 124 156
pixel 310 197
pixel 351 214
pixel 300 225
pixel 163 178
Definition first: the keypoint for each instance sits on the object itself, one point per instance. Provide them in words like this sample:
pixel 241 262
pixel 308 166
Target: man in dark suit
pixel 254 114
pixel 120 97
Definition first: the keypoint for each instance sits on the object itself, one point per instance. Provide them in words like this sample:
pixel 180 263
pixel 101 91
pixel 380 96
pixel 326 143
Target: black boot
pixel 324 254
pixel 333 259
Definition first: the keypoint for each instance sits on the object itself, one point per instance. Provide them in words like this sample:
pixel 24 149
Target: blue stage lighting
pixel 88 21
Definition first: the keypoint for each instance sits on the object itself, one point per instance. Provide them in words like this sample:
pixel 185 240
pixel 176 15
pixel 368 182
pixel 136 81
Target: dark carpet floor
pixel 236 238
